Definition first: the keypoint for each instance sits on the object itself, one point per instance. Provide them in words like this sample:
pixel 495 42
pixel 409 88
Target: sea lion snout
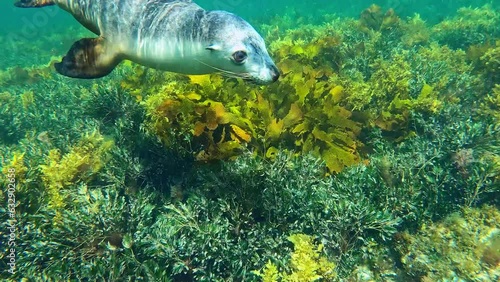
pixel 275 73
pixel 238 50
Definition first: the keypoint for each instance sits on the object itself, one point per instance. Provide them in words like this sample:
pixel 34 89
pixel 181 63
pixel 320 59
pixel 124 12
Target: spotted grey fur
pixel 171 35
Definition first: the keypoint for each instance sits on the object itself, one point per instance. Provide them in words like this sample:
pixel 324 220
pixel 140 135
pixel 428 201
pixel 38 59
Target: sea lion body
pixel 170 35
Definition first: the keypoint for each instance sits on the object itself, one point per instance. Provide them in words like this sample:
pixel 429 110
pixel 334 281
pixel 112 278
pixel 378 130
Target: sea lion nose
pixel 275 76
pixel 275 73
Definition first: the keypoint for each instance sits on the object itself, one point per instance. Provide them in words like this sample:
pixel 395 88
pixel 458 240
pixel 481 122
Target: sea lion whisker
pixel 245 76
pixel 226 72
pixel 236 75
pixel 215 68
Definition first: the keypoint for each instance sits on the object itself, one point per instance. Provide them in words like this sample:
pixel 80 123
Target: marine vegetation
pixel 334 84
pixel 306 262
pixel 80 164
pixel 375 157
pixel 468 27
pixel 466 244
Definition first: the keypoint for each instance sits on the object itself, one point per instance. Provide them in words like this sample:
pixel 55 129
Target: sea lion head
pixel 237 50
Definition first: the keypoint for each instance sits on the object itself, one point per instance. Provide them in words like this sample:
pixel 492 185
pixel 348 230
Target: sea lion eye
pixel 239 57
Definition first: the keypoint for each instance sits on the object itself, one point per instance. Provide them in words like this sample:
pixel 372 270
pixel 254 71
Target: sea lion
pixel 170 35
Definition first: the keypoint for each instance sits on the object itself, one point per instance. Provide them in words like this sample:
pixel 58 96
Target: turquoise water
pixel 374 157
pixel 33 24
pixel 30 24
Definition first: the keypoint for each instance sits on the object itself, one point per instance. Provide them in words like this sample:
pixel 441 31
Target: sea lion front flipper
pixel 88 58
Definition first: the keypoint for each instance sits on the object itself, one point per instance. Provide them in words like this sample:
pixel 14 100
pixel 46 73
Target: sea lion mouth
pixel 245 75
pixel 259 81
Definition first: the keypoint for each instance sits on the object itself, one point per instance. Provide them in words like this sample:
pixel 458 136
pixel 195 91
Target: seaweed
pixel 80 164
pixel 468 27
pixel 462 246
pixel 306 263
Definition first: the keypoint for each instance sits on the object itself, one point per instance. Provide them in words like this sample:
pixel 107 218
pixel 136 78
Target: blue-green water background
pixel 32 24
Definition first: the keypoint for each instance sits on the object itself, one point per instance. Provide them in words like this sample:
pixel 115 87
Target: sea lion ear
pixel 213 47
